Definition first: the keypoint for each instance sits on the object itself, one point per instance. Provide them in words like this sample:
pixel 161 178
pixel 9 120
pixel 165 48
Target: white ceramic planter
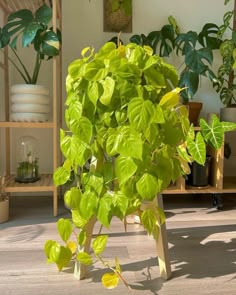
pixel 228 114
pixel 29 103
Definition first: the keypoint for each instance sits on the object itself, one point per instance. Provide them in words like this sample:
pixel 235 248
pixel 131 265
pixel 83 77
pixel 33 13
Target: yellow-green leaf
pixel 110 280
pixel 84 258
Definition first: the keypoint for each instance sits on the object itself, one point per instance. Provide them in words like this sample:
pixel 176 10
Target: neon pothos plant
pixel 127 138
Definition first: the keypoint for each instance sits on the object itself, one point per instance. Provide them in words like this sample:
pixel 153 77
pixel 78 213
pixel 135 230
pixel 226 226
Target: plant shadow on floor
pixel 201 252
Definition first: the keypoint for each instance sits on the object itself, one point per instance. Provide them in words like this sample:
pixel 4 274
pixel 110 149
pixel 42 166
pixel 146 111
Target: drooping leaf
pixel 64 228
pixel 72 246
pixel 77 219
pixel 88 204
pixel 120 203
pixel 140 113
pixel 72 198
pixel 60 255
pixel 125 167
pixel 84 258
pixel 104 209
pixel 99 244
pixel 110 280
pixel 108 89
pixel 147 186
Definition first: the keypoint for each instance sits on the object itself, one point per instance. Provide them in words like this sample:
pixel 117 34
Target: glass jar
pixel 27 160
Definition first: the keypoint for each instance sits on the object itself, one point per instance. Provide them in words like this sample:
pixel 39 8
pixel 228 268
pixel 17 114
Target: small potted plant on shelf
pixel 4 201
pixel 30 102
pixel 124 117
pixel 226 83
pixel 196 50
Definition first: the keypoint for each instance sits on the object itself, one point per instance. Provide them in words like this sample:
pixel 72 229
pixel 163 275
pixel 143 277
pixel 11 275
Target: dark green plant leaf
pixel 209 37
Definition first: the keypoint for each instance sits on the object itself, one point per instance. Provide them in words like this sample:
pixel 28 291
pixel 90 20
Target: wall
pixel 83 26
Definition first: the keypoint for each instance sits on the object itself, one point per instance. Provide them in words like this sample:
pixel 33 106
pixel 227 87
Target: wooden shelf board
pixel 192 190
pixel 5 124
pixel 45 184
pixel 229 184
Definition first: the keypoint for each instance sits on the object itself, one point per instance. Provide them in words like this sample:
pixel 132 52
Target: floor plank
pixel 202 242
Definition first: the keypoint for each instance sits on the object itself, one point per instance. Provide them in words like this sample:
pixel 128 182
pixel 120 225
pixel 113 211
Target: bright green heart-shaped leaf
pixel 170 99
pixel 93 182
pixel 88 204
pixel 99 244
pixel 60 255
pixel 95 70
pixel 125 167
pixel 81 238
pixel 82 127
pixel 127 142
pixel 72 198
pixel 94 91
pixel 108 89
pixel 84 258
pixel 149 220
pixel 104 209
pixel 64 228
pixel 75 149
pixel 121 203
pixel 47 248
pixel 110 280
pixel 61 176
pixel 147 186
pixel 140 113
pixel 77 219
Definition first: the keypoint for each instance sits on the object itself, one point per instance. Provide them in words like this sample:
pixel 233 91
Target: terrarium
pixel 27 160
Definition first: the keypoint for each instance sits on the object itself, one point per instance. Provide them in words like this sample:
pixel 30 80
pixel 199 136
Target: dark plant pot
pixel 228 114
pixel 194 109
pixel 199 173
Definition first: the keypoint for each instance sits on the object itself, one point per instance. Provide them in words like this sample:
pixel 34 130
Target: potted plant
pixel 126 123
pixel 4 202
pixel 34 31
pixel 226 83
pixel 196 49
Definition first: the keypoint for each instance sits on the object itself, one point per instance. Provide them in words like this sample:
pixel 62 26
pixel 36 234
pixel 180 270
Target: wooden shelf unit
pixel 45 184
pixel 218 184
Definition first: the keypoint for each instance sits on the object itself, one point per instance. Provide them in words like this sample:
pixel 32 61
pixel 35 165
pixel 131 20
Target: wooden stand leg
pixel 81 270
pixel 162 248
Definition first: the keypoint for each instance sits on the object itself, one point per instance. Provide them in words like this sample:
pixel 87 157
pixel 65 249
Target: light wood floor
pixel 202 244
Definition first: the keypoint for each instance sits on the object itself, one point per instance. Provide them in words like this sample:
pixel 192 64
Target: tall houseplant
pixel 226 83
pixel 125 120
pixel 34 31
pixel 30 102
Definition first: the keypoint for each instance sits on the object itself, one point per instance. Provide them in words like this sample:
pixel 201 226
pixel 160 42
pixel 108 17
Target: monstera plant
pixel 127 138
pixel 196 50
pixel 33 30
